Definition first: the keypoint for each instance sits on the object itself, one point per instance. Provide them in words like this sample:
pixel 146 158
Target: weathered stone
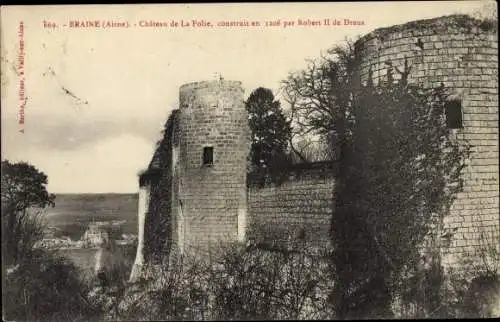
pixel 208 203
pixel 480 112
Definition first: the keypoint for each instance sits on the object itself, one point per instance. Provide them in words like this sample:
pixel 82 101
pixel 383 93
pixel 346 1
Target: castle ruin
pixel 195 192
pixel 460 53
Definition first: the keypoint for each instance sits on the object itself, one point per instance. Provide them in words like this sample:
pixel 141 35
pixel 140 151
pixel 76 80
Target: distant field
pixel 73 212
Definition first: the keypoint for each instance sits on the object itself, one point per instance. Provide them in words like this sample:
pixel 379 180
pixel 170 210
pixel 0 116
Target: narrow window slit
pixel 453 112
pixel 208 155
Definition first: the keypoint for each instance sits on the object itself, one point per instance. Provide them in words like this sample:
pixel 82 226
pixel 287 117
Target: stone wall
pixel 212 197
pixel 462 54
pixel 197 205
pixel 300 208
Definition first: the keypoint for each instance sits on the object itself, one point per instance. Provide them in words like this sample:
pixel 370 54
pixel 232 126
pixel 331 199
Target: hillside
pixel 73 212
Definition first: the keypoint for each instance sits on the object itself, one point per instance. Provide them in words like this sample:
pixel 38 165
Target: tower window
pixel 208 155
pixel 453 111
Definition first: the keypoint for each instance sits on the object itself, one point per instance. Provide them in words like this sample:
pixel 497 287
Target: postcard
pixel 250 161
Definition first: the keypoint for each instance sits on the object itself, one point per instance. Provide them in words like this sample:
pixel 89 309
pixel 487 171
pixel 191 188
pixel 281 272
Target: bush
pixel 238 282
pixel 474 291
pixel 252 283
pixel 177 293
pixel 117 265
pixel 470 289
pixel 46 286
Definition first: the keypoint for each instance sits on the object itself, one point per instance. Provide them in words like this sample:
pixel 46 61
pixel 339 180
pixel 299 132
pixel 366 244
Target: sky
pixel 97 98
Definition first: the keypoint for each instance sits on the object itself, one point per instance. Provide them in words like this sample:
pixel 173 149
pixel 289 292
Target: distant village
pixel 95 236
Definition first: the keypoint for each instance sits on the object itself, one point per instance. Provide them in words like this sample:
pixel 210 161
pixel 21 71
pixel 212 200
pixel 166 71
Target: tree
pixel 43 284
pixel 24 195
pixel 311 150
pixel 398 172
pixel 320 98
pixel 47 287
pixel 401 173
pixel 271 131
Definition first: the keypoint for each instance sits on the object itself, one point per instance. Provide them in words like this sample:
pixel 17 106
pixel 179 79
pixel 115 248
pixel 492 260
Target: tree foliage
pixel 311 150
pixel 320 97
pixel 42 285
pixel 399 170
pixel 401 174
pixel 271 131
pixel 24 194
pixel 47 287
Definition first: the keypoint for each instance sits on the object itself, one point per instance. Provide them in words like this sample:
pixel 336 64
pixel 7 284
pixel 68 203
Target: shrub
pixel 117 267
pixel 470 289
pixel 475 289
pixel 46 286
pixel 175 293
pixel 248 282
pixel 237 282
pixel 110 282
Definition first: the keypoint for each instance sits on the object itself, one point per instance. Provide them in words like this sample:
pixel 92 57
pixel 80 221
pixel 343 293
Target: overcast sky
pixel 98 98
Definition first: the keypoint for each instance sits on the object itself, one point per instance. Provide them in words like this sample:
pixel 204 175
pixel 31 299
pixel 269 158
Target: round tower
pixel 214 145
pixel 461 53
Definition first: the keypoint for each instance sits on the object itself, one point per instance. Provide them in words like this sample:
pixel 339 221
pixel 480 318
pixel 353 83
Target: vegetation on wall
pixel 472 286
pixel 158 228
pixel 403 170
pixel 399 170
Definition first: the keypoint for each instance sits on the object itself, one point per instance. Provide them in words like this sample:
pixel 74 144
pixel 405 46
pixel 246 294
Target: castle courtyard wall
pixel 298 209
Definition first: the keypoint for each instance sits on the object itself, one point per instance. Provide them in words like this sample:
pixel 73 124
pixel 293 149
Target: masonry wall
pixel 141 213
pixel 212 197
pixel 298 209
pixel 461 53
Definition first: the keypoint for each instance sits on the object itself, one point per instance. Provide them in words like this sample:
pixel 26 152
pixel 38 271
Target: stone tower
pixel 193 195
pixel 211 169
pixel 461 53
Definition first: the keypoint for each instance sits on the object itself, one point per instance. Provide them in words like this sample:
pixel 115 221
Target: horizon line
pixel 94 193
